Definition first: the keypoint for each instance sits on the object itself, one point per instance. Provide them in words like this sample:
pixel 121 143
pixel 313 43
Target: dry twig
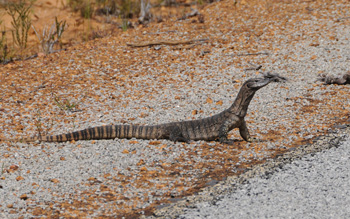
pixel 254 67
pixel 342 18
pixel 194 12
pixel 165 42
pixel 145 14
pixel 330 79
pixel 249 54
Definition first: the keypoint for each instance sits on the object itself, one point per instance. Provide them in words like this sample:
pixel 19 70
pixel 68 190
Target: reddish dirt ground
pixel 80 29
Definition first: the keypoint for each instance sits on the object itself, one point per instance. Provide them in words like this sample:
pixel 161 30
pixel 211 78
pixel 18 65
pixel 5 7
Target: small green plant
pixel 74 4
pixel 38 124
pixel 2 169
pixel 65 104
pixel 42 129
pixel 21 22
pixel 2 39
pixel 129 8
pixel 85 7
pixel 200 2
pixel 60 27
pixel 4 48
pixel 52 36
pixel 125 24
pixel 107 7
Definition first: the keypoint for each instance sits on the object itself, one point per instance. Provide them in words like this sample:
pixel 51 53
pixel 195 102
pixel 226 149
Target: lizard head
pixel 246 93
pixel 257 83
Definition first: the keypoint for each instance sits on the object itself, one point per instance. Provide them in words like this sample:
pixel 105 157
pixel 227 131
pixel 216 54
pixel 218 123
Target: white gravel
pixel 316 186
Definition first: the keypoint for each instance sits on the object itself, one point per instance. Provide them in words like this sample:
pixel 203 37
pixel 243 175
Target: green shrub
pixel 21 22
pixel 122 8
pixel 85 7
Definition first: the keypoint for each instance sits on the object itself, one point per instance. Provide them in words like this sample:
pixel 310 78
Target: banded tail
pixel 100 132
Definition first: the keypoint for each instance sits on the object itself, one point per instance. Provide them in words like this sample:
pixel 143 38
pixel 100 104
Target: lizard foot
pixel 254 140
pixel 228 141
pixel 180 139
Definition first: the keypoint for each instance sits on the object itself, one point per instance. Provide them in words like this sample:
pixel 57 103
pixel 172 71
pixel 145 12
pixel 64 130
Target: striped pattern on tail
pixel 102 132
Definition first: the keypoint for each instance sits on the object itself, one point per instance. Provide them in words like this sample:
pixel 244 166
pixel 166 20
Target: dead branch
pixel 253 54
pixel 249 54
pixel 145 14
pixel 254 67
pixel 164 32
pixel 342 18
pixel 330 79
pixel 194 12
pixel 165 42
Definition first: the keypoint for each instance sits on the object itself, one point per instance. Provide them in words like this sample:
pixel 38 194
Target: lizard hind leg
pixel 176 135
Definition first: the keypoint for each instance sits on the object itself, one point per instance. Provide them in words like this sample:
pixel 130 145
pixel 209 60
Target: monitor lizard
pixel 215 127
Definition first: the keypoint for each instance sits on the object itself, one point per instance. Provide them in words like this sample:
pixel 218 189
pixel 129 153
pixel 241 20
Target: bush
pixel 21 22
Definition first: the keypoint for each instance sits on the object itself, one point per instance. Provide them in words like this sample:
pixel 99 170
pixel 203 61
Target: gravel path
pixel 316 186
pixel 113 83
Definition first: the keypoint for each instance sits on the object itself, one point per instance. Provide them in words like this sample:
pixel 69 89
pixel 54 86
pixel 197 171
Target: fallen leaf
pixel 24 197
pixel 55 180
pixel 18 178
pixel 14 167
pixel 134 142
pixel 154 143
pixel 141 162
pixel 219 103
pixel 209 100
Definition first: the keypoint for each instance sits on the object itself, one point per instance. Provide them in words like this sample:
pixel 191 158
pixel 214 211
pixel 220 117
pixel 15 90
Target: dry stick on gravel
pixel 249 54
pixel 193 13
pixel 343 18
pixel 145 14
pixel 330 79
pixel 254 67
pixel 165 42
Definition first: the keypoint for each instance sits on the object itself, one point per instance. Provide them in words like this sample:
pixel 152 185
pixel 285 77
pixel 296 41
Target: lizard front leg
pixel 243 130
pixel 223 131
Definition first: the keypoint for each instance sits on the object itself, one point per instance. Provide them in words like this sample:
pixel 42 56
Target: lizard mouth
pixel 268 77
pixel 259 83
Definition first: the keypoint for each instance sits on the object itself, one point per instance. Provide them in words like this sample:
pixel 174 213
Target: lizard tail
pixel 99 132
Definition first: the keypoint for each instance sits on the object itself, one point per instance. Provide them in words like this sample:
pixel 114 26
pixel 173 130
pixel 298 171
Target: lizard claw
pixel 226 141
pixel 253 140
pixel 229 142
